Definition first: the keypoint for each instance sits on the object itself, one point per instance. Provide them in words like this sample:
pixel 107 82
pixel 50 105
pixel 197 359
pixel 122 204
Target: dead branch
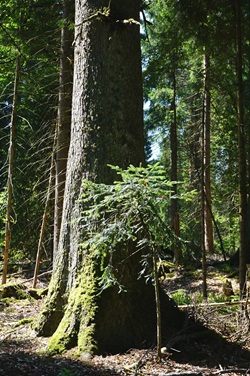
pixel 220 304
pixel 187 373
pixel 232 370
pixel 40 275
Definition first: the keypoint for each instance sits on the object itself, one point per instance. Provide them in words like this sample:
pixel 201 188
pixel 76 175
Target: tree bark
pixel 64 116
pixel 10 172
pixel 173 172
pixel 195 168
pixel 242 152
pixel 107 128
pixel 208 226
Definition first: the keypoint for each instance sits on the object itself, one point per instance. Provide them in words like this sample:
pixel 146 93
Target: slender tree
pixel 64 115
pixel 10 171
pixel 208 227
pixel 241 148
pixel 174 169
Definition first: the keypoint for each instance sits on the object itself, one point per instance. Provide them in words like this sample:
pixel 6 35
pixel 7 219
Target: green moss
pixel 23 322
pixel 77 324
pixel 6 301
pixel 14 290
pixel 52 309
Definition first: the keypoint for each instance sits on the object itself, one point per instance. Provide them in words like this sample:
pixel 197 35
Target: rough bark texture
pixel 107 127
pixel 64 116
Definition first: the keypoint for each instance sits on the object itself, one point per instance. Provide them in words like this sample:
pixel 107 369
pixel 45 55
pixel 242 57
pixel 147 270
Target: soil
pixel 214 341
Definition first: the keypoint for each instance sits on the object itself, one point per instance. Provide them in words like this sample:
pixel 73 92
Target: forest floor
pixel 219 344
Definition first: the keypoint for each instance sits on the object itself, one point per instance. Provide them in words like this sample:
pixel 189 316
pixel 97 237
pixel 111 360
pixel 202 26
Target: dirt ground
pixel 215 340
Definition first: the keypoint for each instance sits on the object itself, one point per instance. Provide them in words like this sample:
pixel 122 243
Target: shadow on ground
pixel 201 346
pixel 22 363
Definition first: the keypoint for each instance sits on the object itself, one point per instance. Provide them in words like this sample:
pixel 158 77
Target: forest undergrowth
pixel 214 340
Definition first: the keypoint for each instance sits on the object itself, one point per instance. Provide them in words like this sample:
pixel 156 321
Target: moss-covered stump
pixel 18 291
pixel 14 290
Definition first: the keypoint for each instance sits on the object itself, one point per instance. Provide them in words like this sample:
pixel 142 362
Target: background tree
pixel 242 149
pixel 64 114
pixel 165 43
pixel 10 171
pixel 199 26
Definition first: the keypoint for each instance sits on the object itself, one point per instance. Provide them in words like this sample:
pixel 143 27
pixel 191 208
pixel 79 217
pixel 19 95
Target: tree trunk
pixel 203 234
pixel 45 215
pixel 195 168
pixel 107 128
pixel 10 173
pixel 242 153
pixel 64 116
pixel 208 227
pixel 173 166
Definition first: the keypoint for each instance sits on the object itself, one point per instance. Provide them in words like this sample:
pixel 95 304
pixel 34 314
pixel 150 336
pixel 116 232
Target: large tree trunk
pixel 107 127
pixel 64 116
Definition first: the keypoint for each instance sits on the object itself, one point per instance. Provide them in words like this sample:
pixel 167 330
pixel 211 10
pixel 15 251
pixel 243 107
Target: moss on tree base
pixel 111 322
pixel 77 324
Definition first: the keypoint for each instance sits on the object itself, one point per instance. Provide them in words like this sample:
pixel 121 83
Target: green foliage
pixel 132 210
pixel 181 297
pixel 180 34
pixel 28 30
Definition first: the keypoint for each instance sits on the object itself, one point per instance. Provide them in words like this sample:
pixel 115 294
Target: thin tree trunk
pixel 174 173
pixel 217 231
pixel 64 116
pixel 204 253
pixel 247 119
pixel 45 214
pixel 157 303
pixel 203 208
pixel 10 172
pixel 195 148
pixel 242 153
pixel 208 227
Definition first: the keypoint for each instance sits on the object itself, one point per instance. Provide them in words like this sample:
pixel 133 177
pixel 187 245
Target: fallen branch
pixel 187 373
pixel 40 275
pixel 220 304
pixel 232 370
